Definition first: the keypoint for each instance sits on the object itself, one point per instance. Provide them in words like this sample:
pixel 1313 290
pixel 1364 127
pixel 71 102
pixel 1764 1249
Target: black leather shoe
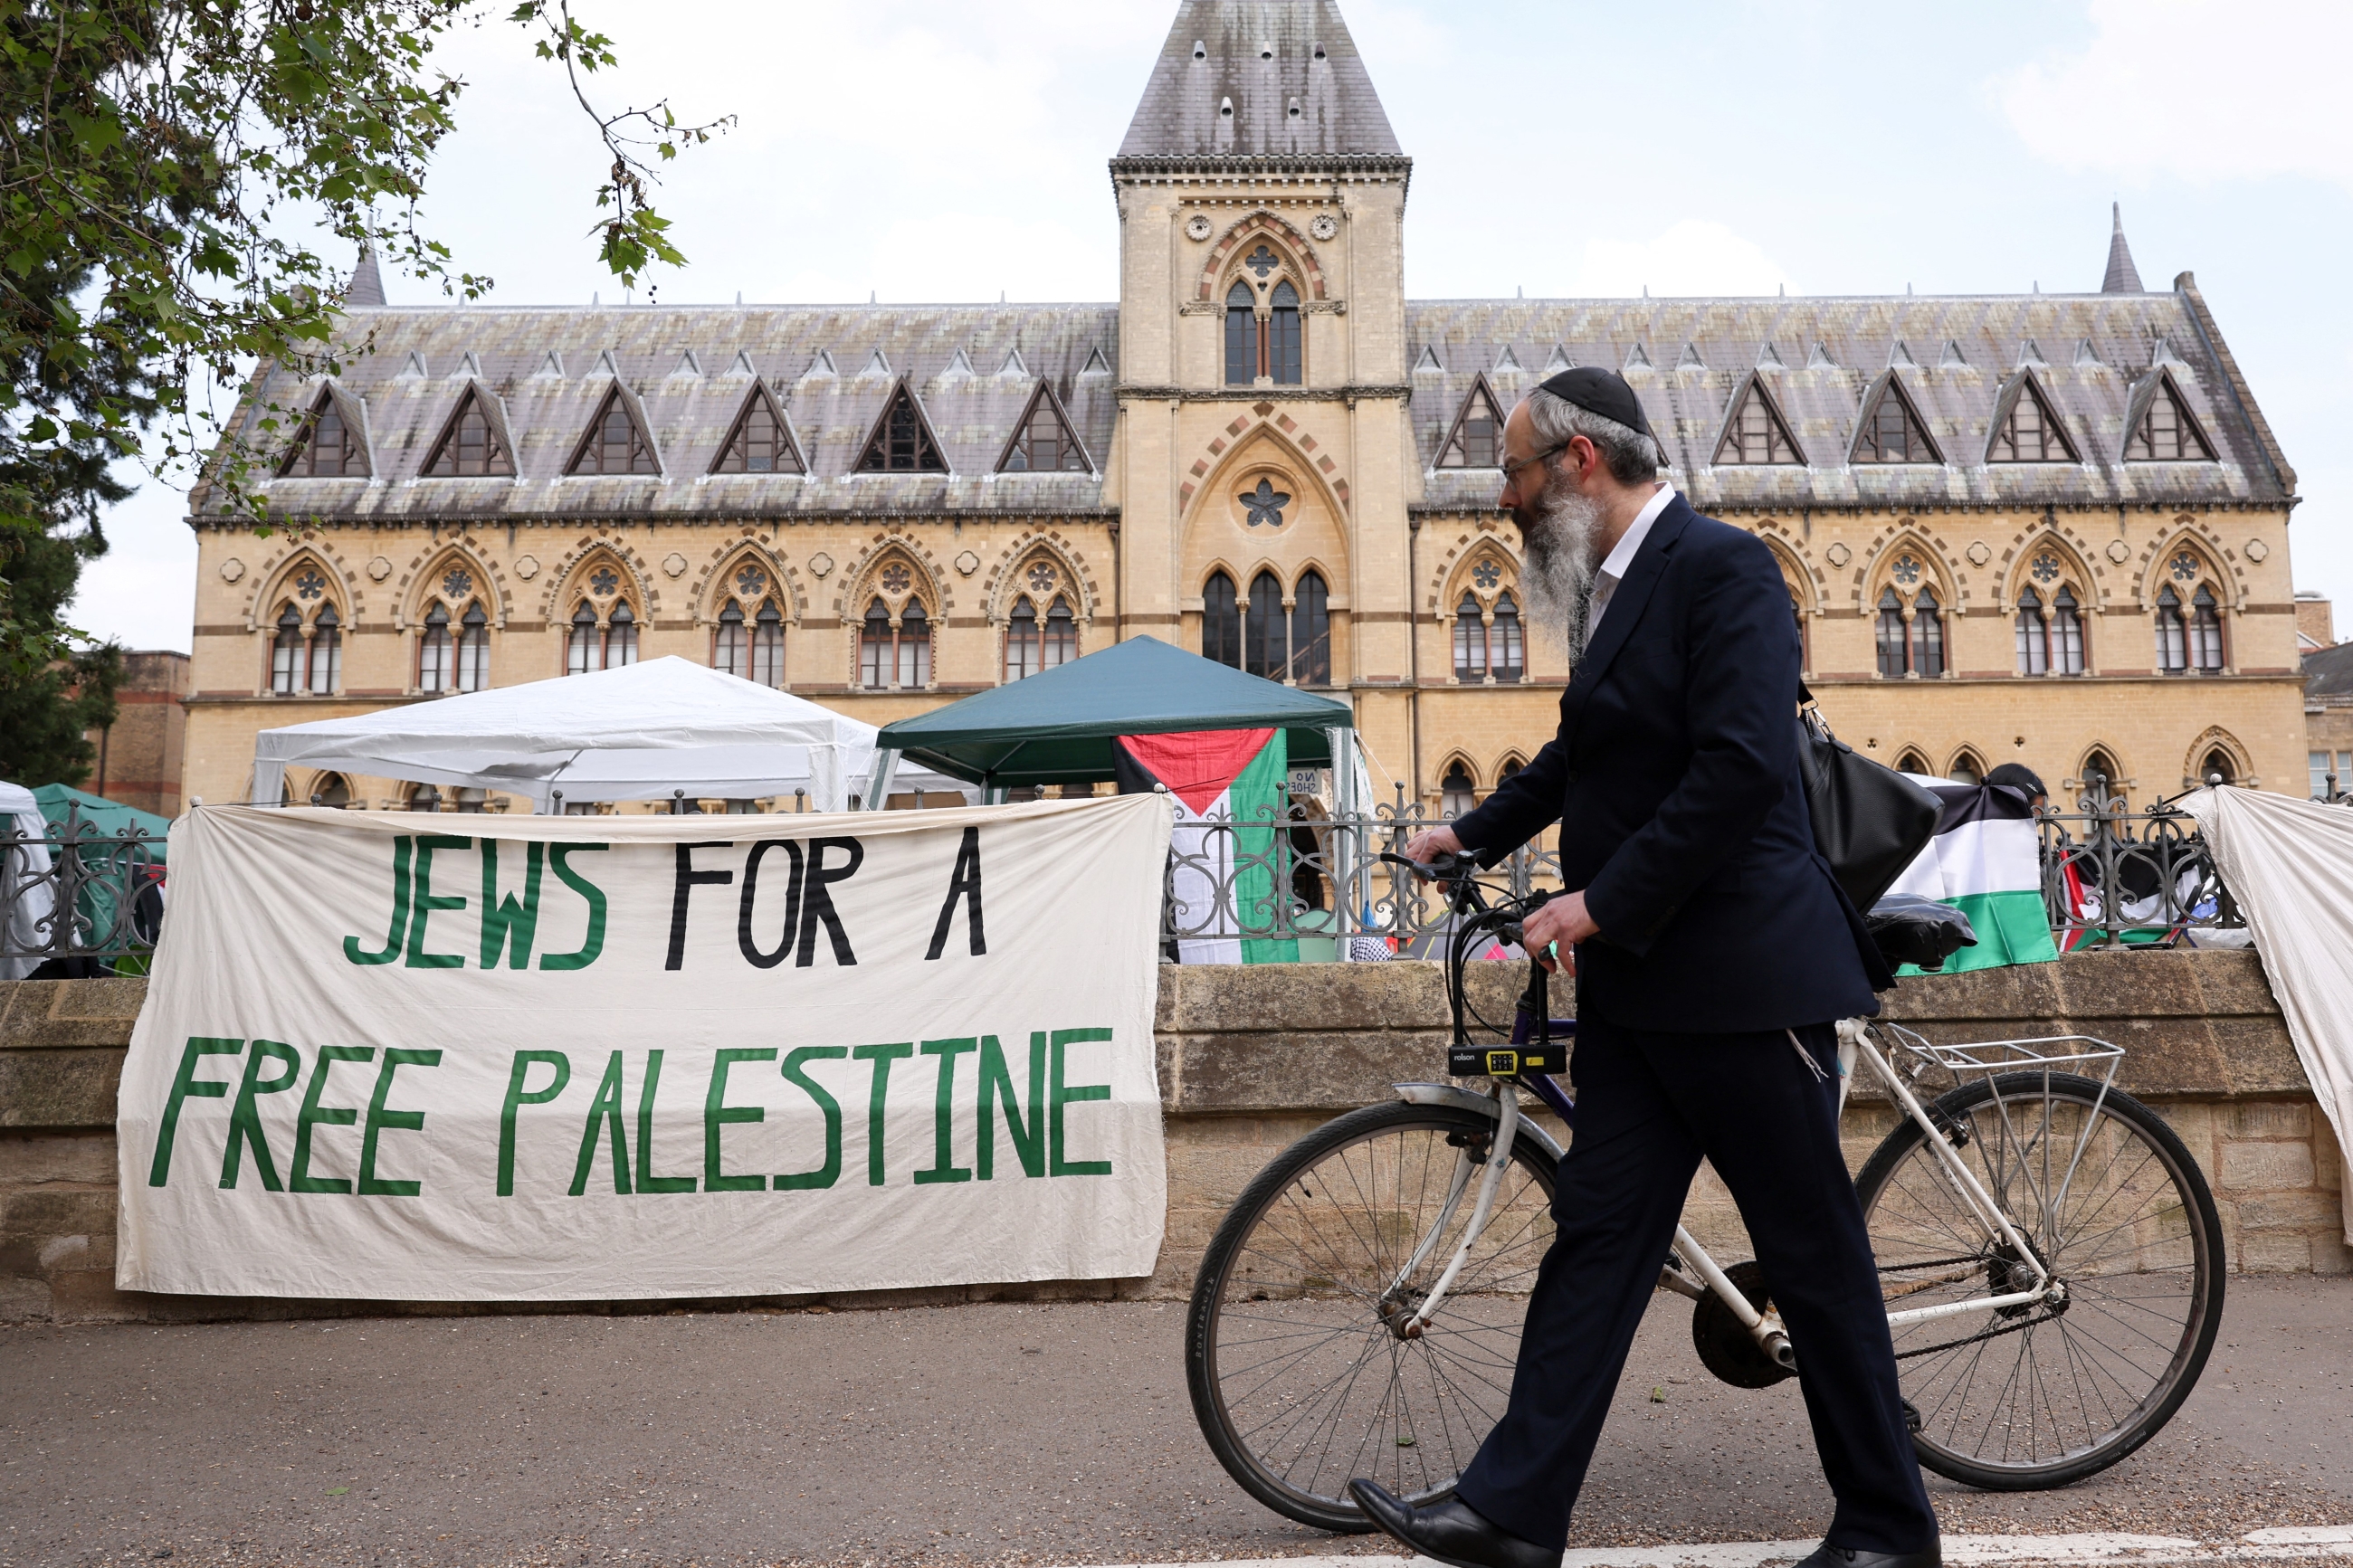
pixel 1828 1556
pixel 1453 1532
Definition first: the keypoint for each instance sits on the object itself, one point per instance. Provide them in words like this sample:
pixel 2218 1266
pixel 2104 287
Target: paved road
pixel 1036 1434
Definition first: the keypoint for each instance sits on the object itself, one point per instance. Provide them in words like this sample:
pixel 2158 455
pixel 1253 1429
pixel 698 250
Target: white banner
pixel 383 1056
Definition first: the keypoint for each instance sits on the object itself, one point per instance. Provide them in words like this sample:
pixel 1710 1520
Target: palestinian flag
pixel 1231 795
pixel 1985 862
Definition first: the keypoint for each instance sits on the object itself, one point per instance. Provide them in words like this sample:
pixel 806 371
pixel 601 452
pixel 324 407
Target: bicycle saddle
pixel 1910 929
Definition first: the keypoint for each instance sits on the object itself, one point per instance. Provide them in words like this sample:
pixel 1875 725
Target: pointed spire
pixel 367 287
pixel 2123 277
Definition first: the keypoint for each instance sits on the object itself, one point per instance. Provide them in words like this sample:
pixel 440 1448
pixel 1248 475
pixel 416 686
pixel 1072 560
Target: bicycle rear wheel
pixel 2099 1187
pixel 1299 1380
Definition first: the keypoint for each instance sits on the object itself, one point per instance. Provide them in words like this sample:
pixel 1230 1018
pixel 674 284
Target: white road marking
pixel 2104 1549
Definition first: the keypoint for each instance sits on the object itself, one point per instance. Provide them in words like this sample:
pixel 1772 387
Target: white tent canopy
pixel 644 731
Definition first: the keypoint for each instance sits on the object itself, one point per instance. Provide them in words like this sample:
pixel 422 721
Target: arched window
pixel 286 662
pixel 1311 631
pixel 1023 653
pixel 2172 633
pixel 1912 762
pixel 473 649
pixel 1263 629
pixel 2066 634
pixel 584 650
pixel 731 648
pixel 1221 621
pixel 1890 633
pixel 425 797
pixel 1282 336
pixel 2205 632
pixel 435 652
pixel 1241 335
pixel 914 647
pixel 1505 656
pixel 875 661
pixel 2217 764
pixel 768 647
pixel 895 654
pixel 2033 640
pixel 1062 634
pixel 1457 794
pixel 2102 778
pixel 1508 772
pixel 326 652
pixel 1469 640
pixel 331 790
pixel 1927 636
pixel 1967 769
pixel 620 638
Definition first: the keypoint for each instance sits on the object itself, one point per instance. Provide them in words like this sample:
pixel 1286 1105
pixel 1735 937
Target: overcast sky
pixel 944 151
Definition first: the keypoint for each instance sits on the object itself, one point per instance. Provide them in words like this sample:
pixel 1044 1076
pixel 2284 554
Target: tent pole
pixel 878 785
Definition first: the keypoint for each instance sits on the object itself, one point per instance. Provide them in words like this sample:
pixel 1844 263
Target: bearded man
pixel 1713 954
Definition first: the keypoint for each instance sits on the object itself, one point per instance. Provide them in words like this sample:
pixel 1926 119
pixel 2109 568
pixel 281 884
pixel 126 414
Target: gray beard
pixel 1562 558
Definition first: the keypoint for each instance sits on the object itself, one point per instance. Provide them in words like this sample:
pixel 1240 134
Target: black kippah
pixel 1602 392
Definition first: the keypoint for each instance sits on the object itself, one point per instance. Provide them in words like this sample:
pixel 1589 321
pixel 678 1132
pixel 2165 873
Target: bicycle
pixel 1351 1318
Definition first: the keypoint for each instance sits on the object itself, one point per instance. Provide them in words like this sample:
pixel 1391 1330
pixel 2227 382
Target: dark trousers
pixel 1648 1106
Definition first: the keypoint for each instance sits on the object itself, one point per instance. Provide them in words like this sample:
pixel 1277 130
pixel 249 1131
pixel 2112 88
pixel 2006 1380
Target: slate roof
pixel 1258 78
pixel 2094 355
pixel 690 369
pixel 2328 676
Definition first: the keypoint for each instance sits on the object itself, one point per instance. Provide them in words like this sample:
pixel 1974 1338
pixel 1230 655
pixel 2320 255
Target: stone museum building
pixel 2042 528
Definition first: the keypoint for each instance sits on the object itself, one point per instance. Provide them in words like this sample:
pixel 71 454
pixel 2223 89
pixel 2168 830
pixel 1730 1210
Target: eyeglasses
pixel 1512 470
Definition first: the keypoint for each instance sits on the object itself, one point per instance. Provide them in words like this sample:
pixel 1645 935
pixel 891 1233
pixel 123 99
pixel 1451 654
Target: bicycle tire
pixel 1454 1379
pixel 2171 1254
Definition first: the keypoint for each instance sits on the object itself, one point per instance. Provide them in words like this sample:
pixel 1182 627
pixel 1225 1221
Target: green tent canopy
pixel 100 816
pixel 1057 727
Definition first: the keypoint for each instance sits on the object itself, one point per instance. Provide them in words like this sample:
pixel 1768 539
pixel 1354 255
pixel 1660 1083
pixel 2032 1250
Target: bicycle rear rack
pixel 2084 1054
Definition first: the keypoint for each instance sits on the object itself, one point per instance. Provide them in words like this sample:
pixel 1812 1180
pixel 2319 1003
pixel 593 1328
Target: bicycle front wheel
pixel 1301 1375
pixel 2100 1189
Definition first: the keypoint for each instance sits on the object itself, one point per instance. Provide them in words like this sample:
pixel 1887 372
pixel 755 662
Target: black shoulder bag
pixel 1870 821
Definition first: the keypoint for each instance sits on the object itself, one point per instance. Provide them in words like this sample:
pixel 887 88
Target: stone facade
pixel 1252 1059
pixel 1262 347
pixel 140 755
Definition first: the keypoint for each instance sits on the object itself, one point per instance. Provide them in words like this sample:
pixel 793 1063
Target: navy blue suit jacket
pixel 1675 778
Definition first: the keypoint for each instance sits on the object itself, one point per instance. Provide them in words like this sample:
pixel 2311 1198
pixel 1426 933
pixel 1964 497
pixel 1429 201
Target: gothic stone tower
pixel 1263 461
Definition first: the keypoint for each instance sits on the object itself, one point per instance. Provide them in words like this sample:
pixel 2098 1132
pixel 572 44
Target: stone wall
pixel 1252 1058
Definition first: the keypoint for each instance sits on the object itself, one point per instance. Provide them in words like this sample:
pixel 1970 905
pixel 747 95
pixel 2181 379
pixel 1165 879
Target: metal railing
pixel 77 899
pixel 2111 876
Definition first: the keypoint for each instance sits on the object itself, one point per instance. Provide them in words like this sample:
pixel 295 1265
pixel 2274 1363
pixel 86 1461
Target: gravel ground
pixel 981 1434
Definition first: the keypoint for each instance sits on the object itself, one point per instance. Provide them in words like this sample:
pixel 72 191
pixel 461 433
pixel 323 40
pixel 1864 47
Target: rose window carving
pixel 1041 578
pixel 602 582
pixel 897 579
pixel 1265 504
pixel 2046 567
pixel 2185 567
pixel 457 583
pixel 1487 575
pixel 1907 570
pixel 750 581
pixel 310 586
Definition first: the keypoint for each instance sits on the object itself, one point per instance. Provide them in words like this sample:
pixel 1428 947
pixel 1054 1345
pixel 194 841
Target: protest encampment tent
pixel 1226 742
pixel 643 731
pixel 28 897
pixel 1058 727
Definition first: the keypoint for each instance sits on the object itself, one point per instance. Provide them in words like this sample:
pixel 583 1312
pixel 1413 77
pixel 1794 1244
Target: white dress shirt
pixel 1613 570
